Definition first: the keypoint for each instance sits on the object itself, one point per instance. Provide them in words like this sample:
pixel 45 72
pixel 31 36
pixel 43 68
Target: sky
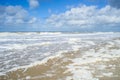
pixel 60 15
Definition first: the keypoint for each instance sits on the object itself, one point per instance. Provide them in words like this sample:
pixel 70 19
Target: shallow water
pixel 60 56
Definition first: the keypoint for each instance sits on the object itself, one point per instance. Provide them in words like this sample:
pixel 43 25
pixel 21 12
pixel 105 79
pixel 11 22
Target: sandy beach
pixel 90 59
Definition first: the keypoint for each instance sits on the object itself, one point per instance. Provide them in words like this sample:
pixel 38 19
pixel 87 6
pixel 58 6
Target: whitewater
pixel 59 56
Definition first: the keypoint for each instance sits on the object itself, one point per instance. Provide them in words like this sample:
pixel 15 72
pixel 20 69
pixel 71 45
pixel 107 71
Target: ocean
pixel 59 56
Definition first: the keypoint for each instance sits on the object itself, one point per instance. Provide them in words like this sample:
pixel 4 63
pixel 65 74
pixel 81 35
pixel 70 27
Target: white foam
pixel 76 47
pixel 13 46
pixel 50 33
pixel 117 41
pixel 28 77
pixel 101 67
pixel 73 40
pixel 22 46
pixel 36 63
pixel 45 43
pixel 79 61
pixel 107 74
pixel 90 42
pixel 6 34
pixel 81 72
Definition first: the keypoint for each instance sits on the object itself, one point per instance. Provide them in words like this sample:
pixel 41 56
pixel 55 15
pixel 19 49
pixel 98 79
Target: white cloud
pixel 86 16
pixel 16 15
pixel 33 20
pixel 33 3
pixel 16 12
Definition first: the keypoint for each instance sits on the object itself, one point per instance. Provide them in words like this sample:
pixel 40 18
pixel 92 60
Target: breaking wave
pixel 82 50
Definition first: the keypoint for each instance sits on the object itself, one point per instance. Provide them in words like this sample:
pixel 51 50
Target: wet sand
pixel 56 69
pixel 53 69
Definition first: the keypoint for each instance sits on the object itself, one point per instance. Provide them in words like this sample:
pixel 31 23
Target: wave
pixel 25 52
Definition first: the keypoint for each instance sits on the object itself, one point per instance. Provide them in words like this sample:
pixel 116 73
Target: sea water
pixel 27 49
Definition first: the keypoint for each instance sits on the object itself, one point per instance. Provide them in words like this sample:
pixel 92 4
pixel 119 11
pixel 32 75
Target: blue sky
pixel 59 15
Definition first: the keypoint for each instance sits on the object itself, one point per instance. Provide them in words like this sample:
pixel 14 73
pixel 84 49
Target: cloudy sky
pixel 60 15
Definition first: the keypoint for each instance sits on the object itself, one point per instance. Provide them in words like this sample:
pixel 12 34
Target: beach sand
pixel 56 69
